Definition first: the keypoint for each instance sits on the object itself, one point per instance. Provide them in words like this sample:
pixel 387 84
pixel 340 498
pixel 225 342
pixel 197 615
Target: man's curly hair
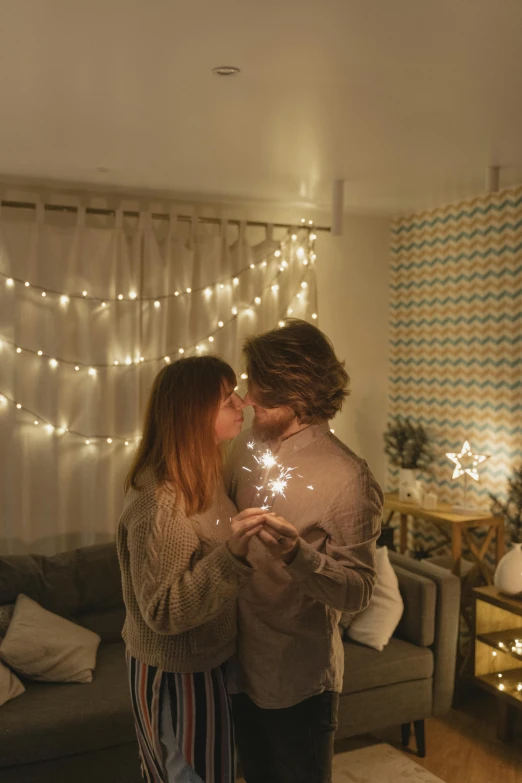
pixel 296 366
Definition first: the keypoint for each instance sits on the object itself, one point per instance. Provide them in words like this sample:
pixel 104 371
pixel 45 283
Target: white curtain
pixel 70 416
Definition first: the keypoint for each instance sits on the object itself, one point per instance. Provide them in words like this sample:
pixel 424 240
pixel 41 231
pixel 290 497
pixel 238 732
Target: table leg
pixel 501 541
pixel 506 718
pixel 404 533
pixel 456 549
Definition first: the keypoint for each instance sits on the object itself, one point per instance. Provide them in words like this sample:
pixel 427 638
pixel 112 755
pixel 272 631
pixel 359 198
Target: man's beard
pixel 274 427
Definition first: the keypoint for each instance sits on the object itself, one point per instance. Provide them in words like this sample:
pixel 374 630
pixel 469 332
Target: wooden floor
pixel 462 747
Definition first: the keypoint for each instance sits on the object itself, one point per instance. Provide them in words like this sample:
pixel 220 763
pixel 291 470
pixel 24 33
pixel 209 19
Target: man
pixel 314 559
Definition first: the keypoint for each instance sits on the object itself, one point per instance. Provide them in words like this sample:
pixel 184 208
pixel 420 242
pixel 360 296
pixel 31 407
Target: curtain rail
pixel 160 216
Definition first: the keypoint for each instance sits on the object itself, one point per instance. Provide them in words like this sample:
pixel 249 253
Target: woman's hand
pixel 243 527
pixel 280 537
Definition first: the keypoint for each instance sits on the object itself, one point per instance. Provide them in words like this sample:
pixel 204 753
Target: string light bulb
pixel 132 294
pixel 64 299
pixel 157 304
pixel 9 282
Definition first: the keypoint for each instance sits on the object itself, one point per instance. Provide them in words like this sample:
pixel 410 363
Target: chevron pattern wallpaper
pixel 456 336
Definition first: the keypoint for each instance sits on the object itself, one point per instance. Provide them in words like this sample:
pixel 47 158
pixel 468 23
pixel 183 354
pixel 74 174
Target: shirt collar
pixel 302 439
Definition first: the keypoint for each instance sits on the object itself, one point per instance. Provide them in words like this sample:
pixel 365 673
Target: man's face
pixel 268 423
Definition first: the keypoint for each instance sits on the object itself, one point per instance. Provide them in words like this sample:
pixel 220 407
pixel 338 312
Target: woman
pixel 182 553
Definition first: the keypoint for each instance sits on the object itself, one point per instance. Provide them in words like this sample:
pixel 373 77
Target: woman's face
pixel 229 419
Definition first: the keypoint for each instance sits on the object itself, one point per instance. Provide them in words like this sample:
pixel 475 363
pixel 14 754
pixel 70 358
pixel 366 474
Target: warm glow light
pixel 314 316
pixel 220 324
pixel 257 300
pixel 120 296
pixel 466 462
pixel 189 290
pixel 234 311
pixel 84 293
pixel 281 323
pixel 64 299
pixel 176 293
pixel 116 362
pixel 43 293
pixel 53 362
pixel 40 353
pixel 104 304
pixel 132 294
pixel 109 440
pixel 236 280
pixel 76 368
pixel 157 304
pixel 252 266
pixel 18 350
pixel 244 376
pixel 92 371
pixel 49 428
pixel 304 285
pixel 275 288
pixel 128 360
pixel 277 254
pixel 211 339
pixel 181 350
pixel 167 359
pixel 18 405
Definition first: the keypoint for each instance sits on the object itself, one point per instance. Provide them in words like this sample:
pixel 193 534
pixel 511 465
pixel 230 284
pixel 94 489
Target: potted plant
pixel 508 575
pixel 408 447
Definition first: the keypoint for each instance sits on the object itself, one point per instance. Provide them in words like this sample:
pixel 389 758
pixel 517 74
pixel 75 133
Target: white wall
pixel 353 311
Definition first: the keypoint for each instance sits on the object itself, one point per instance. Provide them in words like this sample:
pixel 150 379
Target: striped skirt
pixel 183 723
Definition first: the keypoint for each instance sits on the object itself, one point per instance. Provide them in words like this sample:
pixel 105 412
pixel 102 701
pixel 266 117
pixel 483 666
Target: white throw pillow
pixel 10 685
pixel 43 646
pixel 374 626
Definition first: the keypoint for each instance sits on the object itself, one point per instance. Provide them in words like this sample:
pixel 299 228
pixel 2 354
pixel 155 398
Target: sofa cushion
pixel 10 685
pixel 62 719
pixel 67 583
pixel 43 646
pixel 400 661
pixel 419 594
pixel 375 625
pixel 107 624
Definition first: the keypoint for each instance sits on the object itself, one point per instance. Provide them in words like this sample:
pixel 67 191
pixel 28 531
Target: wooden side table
pixel 455 527
pixel 498 652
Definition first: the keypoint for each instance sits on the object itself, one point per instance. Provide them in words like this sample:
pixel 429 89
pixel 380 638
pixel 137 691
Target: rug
pixel 379 764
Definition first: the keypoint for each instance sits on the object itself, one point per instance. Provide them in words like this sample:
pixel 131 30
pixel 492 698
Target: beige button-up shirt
pixel 289 644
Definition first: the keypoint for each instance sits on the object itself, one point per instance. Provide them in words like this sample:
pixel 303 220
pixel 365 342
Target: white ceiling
pixel 408 100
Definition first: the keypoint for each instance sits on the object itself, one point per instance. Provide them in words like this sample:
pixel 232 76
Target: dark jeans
pixel 291 745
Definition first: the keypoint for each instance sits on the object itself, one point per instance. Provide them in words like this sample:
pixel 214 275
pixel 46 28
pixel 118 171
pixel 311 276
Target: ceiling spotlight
pixel 226 70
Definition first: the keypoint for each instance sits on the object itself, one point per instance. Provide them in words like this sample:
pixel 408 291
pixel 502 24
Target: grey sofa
pixel 413 677
pixel 85 733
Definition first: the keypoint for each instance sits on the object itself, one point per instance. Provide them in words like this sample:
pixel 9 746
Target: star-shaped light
pixel 467 462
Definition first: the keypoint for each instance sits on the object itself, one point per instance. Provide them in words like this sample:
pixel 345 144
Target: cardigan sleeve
pixel 176 587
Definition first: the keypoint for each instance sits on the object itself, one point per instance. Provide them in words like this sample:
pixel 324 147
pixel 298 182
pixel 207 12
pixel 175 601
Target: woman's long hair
pixel 178 441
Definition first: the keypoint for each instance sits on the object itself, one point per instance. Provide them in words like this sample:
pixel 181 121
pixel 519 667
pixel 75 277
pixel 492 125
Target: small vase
pixel 407 482
pixel 508 576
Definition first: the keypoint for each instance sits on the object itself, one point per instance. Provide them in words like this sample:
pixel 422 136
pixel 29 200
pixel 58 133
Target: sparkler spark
pixel 250 444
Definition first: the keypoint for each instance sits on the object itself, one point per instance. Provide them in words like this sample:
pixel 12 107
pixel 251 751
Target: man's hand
pixel 279 537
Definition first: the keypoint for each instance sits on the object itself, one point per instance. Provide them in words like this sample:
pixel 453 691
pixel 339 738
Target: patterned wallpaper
pixel 456 335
